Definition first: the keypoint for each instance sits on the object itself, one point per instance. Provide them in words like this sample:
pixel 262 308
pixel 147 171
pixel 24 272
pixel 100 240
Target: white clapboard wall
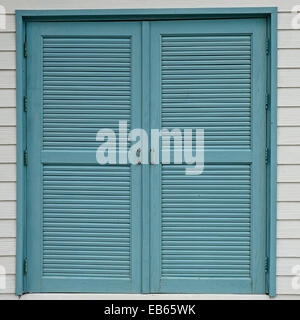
pixel 288 235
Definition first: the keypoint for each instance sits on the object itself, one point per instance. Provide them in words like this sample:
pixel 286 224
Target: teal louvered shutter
pixel 83 222
pixel 208 231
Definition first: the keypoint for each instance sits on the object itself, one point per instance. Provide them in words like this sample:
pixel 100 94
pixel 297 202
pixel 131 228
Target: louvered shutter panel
pixel 84 223
pixel 208 231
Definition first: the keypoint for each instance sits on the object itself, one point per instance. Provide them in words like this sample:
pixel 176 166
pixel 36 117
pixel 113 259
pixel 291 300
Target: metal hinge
pixel 25 157
pixel 25 266
pixel 267 100
pixel 25 49
pixel 266 155
pixel 266 264
pixel 25 104
pixel 267 46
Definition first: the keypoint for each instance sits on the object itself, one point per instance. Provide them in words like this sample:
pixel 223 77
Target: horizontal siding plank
pixel 288 116
pixel 9 263
pixel 117 4
pixel 9 284
pixel 288 154
pixel 284 285
pixel 288 136
pixel 10 23
pixel 8 60
pixel 286 173
pixel 7 172
pixel 8 79
pixel 288 210
pixel 8 41
pixel 7 191
pixel 289 58
pixel 288 229
pixel 288 39
pixel 8 209
pixel 285 266
pixel 289 97
pixel 7 154
pixel 7 135
pixel 288 248
pixel 285 20
pixel 7 247
pixel 8 228
pixel 8 296
pixel 7 116
pixel 289 78
pixel 7 98
pixel 288 191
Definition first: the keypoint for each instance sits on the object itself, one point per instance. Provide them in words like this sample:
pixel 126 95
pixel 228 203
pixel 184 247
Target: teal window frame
pixel 145 15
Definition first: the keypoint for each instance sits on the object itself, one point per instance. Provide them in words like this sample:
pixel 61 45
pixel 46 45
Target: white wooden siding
pixel 288 244
pixel 288 210
pixel 8 60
